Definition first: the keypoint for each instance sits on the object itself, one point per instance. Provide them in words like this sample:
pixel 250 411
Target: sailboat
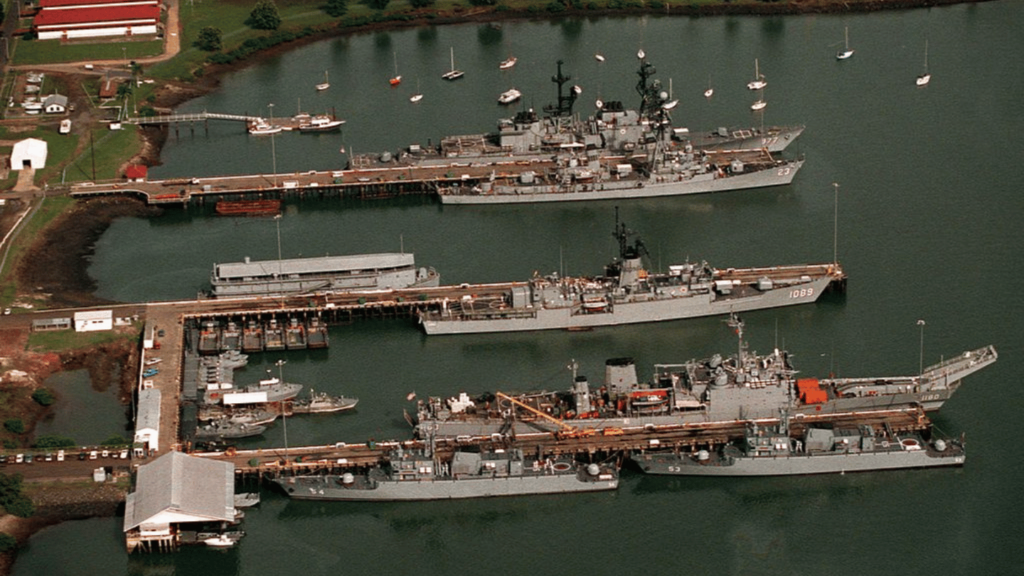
pixel 710 91
pixel 845 52
pixel 325 84
pixel 453 74
pixel 758 82
pixel 506 64
pixel 925 78
pixel 397 78
pixel 418 95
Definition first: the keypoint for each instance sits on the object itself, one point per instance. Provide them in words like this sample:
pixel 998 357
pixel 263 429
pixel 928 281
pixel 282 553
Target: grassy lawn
pixel 60 147
pixel 29 52
pixel 111 148
pixel 70 340
pixel 51 208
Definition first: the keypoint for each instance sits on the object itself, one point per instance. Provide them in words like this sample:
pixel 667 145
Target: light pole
pixel 124 56
pixel 273 150
pixel 920 361
pixel 835 224
pixel 277 219
pixel 284 408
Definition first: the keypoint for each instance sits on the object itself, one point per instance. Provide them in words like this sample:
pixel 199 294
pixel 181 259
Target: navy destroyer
pixel 412 475
pixel 622 154
pixel 698 394
pixel 627 294
pixel 819 450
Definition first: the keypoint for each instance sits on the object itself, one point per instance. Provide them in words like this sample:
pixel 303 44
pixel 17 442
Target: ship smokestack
pixel 620 376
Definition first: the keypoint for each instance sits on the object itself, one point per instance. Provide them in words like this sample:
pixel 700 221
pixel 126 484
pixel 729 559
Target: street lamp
pixel 273 150
pixel 920 362
pixel 835 224
pixel 124 56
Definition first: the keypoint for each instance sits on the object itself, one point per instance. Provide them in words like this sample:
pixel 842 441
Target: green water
pixel 929 209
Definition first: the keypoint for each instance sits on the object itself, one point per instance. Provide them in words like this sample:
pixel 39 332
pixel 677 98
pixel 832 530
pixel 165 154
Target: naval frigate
pixel 414 475
pixel 698 394
pixel 627 294
pixel 819 450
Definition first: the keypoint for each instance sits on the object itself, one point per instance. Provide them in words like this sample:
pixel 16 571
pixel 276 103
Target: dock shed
pixel 147 424
pixel 176 492
pixel 29 153
pixel 51 324
pixel 55 104
pixel 94 320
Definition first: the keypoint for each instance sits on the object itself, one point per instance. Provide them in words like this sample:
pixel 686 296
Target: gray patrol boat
pixel 766 452
pixel 420 476
pixel 700 394
pixel 628 294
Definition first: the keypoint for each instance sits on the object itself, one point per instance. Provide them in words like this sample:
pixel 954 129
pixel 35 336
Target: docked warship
pixel 414 475
pixel 772 452
pixel 622 153
pixel 615 153
pixel 627 294
pixel 701 394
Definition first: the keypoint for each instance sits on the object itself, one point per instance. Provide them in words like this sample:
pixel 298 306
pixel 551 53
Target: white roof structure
pixel 147 424
pixel 29 153
pixel 178 488
pixel 311 266
pixel 90 320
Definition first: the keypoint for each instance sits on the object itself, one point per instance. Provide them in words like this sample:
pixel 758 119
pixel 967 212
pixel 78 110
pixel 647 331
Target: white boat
pixel 506 64
pixel 509 96
pixel 599 57
pixel 65 126
pixel 262 128
pixel 845 52
pixel 453 74
pixel 710 91
pixel 320 123
pixel 219 541
pixel 325 84
pixel 418 95
pixel 758 105
pixel 397 78
pixel 758 82
pixel 925 78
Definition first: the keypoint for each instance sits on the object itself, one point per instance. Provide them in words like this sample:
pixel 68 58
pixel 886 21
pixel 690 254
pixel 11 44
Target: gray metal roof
pixel 182 485
pixel 318 265
pixel 149 410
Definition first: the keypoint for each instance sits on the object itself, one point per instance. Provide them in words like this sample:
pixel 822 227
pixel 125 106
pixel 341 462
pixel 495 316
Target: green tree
pixel 264 16
pixel 421 3
pixel 7 542
pixel 15 426
pixel 44 397
pixel 336 8
pixel 54 442
pixel 124 90
pixel 377 4
pixel 115 440
pixel 209 39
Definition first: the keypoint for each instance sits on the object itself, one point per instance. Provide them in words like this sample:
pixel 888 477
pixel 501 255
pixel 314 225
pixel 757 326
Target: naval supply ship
pixel 266 391
pixel 420 476
pixel 627 294
pixel 820 451
pixel 698 394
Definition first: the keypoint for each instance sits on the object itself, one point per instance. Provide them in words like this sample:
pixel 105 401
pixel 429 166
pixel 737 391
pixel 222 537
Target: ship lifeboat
pixel 595 304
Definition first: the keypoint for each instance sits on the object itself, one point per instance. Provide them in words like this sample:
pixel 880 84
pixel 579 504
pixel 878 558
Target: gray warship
pixel 220 430
pixel 623 154
pixel 267 390
pixel 700 394
pixel 419 476
pixel 765 452
pixel 627 294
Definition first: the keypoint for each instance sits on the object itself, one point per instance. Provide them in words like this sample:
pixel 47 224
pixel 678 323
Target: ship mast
pixel 563 110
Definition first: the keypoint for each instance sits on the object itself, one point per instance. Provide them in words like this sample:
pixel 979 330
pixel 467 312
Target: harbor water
pixel 929 202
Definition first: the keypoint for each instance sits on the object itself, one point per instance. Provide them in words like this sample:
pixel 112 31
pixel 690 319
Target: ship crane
pixel 565 430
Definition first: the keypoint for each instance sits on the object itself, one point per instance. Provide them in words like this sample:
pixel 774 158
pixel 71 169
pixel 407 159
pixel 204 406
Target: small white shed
pixel 94 320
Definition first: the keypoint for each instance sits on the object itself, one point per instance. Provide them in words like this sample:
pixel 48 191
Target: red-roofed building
pixel 71 4
pixel 97 18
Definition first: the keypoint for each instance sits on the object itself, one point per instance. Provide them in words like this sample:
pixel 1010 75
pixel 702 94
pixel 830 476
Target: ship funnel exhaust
pixel 620 375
